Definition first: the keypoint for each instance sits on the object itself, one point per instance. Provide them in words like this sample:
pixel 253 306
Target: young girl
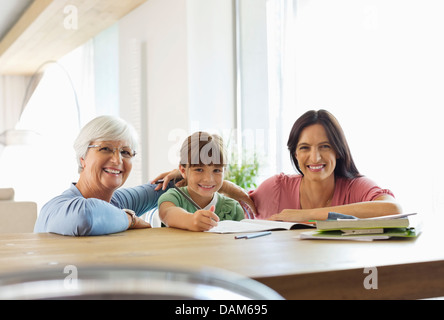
pixel 202 165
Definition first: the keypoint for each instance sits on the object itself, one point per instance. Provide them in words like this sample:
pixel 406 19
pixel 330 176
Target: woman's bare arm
pixel 381 206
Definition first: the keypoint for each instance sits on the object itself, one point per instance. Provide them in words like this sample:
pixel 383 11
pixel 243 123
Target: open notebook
pixel 256 225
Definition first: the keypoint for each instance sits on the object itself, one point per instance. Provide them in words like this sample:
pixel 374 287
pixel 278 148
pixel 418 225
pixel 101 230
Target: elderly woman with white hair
pixel 95 205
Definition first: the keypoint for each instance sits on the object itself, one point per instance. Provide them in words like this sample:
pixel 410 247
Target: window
pixel 43 170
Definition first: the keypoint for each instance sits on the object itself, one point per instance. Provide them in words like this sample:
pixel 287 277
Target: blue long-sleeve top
pixel 72 214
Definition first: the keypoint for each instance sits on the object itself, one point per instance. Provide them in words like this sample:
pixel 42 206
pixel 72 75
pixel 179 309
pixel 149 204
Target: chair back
pixel 16 216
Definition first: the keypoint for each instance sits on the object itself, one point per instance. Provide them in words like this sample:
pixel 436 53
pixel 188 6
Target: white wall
pixel 256 119
pixel 153 78
pixel 211 62
pixel 106 71
pixel 176 76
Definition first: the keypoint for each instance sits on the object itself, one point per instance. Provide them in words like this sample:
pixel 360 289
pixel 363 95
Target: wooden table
pixel 297 269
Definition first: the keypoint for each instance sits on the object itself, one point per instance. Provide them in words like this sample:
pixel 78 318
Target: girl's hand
pixel 204 220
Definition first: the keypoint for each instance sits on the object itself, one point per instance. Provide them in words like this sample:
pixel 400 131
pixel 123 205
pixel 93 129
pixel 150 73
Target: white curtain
pixel 281 51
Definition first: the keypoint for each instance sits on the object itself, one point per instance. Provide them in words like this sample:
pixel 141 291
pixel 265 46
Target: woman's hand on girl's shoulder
pixel 166 177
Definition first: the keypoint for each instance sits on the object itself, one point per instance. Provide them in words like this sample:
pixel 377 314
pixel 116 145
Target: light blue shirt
pixel 72 214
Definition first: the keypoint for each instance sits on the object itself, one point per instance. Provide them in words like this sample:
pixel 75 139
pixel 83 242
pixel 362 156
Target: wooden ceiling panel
pixel 41 35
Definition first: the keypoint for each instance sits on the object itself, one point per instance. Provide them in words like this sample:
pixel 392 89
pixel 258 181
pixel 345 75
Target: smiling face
pixel 314 153
pixel 104 167
pixel 203 181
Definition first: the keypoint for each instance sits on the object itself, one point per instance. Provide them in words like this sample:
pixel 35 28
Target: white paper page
pixel 230 226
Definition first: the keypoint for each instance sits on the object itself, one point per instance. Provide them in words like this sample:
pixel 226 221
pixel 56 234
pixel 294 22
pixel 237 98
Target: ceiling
pixel 34 32
pixel 10 12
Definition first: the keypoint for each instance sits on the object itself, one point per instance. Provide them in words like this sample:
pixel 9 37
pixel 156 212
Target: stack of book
pixel 378 228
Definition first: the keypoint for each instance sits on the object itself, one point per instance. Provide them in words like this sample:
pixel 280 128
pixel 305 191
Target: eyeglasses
pixel 125 152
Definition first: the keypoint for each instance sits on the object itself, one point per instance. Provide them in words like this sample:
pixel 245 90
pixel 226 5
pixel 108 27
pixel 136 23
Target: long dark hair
pixel 345 166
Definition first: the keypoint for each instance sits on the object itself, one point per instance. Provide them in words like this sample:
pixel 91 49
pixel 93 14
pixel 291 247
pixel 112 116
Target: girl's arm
pixel 381 206
pixel 201 220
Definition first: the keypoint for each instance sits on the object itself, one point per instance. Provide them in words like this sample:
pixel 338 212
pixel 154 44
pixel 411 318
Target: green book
pixel 339 235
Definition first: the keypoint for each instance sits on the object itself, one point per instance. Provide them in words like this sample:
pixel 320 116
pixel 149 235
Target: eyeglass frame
pixel 114 150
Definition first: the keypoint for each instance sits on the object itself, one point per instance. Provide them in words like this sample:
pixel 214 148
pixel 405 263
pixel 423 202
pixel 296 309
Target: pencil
pixel 253 235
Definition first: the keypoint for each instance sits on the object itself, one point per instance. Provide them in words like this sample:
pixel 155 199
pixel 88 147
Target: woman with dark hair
pixel 328 180
pixel 345 167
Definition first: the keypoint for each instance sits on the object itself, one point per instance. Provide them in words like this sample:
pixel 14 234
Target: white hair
pixel 104 128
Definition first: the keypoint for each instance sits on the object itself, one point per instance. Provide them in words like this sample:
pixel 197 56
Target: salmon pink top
pixel 282 192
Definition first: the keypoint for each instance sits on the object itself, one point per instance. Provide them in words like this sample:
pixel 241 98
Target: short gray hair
pixel 104 128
